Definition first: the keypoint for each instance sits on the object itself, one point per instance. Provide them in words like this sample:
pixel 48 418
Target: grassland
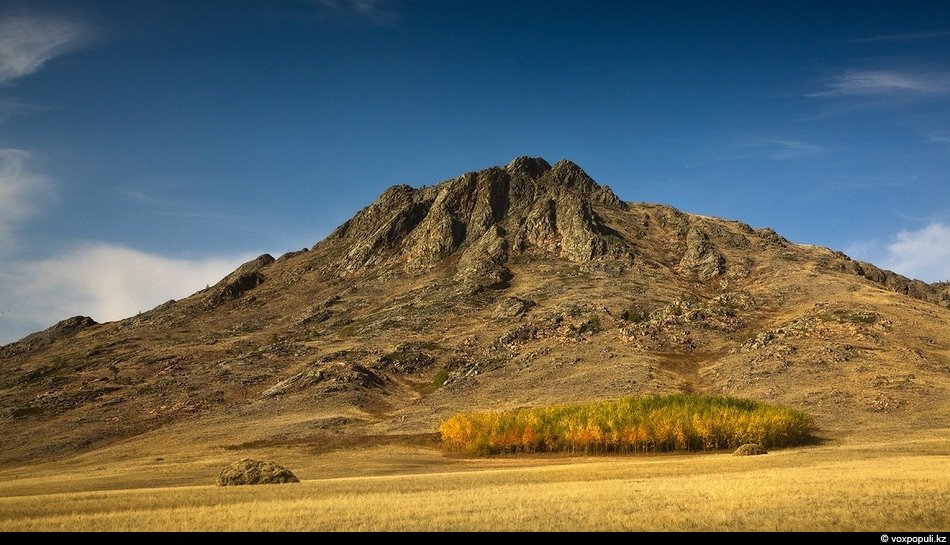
pixel 865 485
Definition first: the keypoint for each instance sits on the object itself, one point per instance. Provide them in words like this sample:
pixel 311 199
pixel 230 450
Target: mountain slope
pixel 515 285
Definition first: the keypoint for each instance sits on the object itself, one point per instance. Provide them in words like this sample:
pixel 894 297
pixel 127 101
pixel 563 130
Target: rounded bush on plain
pixel 249 471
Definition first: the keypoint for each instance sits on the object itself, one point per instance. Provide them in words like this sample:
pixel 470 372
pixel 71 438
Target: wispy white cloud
pixel 375 11
pixel 27 43
pixel 906 36
pixel 105 281
pixel 923 253
pixel 779 149
pixel 791 149
pixel 21 193
pixel 170 207
pixel 938 138
pixel 871 83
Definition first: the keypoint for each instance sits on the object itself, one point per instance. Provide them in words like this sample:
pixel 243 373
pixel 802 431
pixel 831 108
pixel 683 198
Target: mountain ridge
pixel 523 284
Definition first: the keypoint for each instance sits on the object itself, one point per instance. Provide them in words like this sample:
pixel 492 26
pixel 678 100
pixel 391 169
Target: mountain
pixel 511 286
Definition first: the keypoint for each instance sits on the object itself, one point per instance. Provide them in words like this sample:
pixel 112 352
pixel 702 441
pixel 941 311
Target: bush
pixel 635 316
pixel 591 325
pixel 441 376
pixel 249 471
pixel 676 422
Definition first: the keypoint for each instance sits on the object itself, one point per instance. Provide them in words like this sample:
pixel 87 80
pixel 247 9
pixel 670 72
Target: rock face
pixel 248 471
pixel 701 256
pixel 487 218
pixel 245 278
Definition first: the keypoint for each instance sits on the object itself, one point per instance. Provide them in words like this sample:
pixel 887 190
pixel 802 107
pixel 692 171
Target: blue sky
pixel 148 147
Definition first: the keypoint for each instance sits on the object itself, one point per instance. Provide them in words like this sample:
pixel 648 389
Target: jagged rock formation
pixel 528 207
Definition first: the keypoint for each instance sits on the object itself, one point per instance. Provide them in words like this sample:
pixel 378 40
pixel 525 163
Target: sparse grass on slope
pixel 678 422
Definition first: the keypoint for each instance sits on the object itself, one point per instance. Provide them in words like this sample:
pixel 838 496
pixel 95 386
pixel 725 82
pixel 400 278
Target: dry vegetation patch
pixel 678 422
pixel 248 471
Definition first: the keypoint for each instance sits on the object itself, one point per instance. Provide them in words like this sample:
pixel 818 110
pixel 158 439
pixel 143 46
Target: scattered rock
pixel 511 308
pixel 406 358
pixel 750 449
pixel 249 471
pixel 522 334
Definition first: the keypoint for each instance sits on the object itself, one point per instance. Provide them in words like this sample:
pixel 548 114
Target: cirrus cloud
pixel 374 11
pixel 21 191
pixel 885 82
pixel 27 43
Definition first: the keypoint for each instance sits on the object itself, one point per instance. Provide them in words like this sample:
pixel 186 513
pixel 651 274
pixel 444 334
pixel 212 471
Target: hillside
pixel 511 286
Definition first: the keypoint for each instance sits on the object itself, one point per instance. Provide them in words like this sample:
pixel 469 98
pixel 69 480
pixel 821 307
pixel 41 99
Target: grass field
pixel 857 485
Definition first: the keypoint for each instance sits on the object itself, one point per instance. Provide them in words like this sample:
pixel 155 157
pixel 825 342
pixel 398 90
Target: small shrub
pixel 441 376
pixel 21 412
pixel 634 316
pixel 591 325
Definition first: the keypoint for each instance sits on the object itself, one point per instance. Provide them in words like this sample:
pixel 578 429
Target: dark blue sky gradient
pixel 268 123
pixel 197 128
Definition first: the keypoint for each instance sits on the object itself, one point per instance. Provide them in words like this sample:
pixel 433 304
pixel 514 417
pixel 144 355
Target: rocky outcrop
pixel 701 256
pixel 482 266
pixel 245 278
pixel 938 292
pixel 61 330
pixel 438 236
pixel 583 238
pixel 512 308
pixel 484 218
pixel 376 245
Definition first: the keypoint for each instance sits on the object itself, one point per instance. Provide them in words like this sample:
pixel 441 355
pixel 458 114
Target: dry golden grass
pixel 860 486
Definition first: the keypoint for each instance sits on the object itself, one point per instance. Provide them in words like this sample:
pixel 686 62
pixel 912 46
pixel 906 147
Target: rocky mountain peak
pixel 488 216
pixel 527 167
